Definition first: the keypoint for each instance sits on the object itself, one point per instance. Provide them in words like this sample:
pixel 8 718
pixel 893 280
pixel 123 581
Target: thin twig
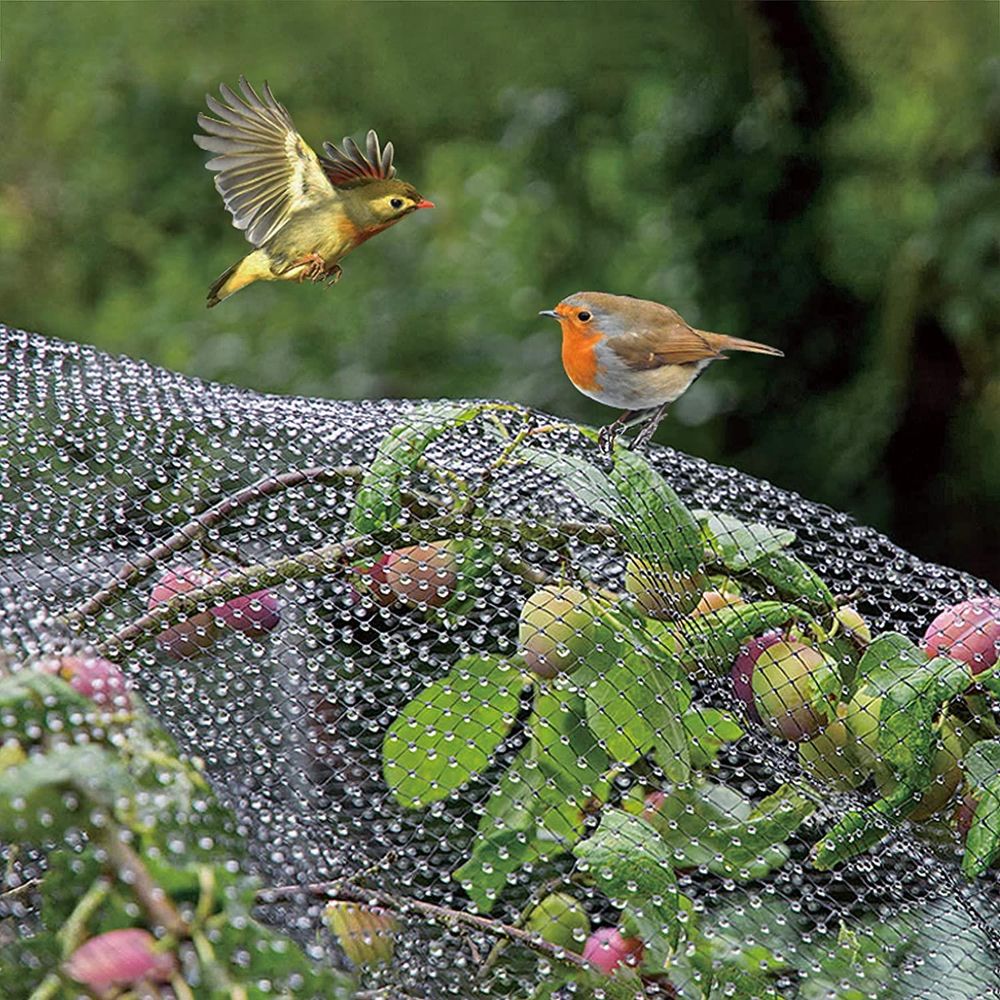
pixel 537 895
pixel 129 867
pixel 340 890
pixel 197 528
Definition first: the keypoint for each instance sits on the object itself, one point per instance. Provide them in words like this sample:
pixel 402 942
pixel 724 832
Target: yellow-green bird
pixel 303 213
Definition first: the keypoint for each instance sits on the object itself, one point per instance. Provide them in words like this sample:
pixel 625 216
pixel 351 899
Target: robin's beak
pixel 550 312
pixel 425 204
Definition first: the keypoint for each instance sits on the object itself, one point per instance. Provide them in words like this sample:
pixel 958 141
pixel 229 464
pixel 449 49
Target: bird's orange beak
pixel 425 204
pixel 550 312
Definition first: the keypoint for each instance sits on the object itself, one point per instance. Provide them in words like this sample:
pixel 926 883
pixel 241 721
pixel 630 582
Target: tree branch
pixel 301 565
pixel 339 890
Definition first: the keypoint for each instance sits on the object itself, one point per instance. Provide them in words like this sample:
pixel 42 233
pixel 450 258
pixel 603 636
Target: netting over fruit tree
pixel 384 699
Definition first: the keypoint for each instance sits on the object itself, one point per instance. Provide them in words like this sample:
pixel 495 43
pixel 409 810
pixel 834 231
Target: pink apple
pixel 95 678
pixel 120 958
pixel 608 950
pixel 254 614
pixel 968 631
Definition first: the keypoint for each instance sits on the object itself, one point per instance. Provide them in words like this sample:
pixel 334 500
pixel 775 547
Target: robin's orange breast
pixel 579 356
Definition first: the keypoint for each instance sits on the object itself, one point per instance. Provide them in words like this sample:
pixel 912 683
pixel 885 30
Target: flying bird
pixel 635 355
pixel 301 212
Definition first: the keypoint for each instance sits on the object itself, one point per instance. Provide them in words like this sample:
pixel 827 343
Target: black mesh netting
pixel 484 711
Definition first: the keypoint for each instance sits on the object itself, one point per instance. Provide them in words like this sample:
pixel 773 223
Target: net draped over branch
pixel 442 702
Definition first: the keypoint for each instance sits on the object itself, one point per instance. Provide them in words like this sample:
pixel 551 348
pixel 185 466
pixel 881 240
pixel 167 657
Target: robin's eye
pixel 396 202
pixel 583 316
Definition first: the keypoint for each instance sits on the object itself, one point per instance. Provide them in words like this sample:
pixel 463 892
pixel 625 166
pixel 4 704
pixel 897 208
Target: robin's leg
pixel 333 273
pixel 606 436
pixel 646 434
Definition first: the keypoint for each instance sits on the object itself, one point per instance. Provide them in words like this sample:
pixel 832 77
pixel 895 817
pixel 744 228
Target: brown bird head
pixel 593 313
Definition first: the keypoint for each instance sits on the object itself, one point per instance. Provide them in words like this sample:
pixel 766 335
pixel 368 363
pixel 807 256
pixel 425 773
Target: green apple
pixel 788 682
pixel 555 630
pixel 561 920
pixel 663 592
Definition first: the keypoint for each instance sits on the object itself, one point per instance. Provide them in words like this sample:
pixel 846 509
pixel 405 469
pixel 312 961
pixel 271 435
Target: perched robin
pixel 635 355
pixel 302 212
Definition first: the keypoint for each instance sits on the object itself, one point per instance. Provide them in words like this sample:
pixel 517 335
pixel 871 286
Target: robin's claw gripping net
pixel 426 700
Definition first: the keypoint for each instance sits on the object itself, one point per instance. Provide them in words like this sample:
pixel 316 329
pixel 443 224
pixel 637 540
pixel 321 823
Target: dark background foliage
pixel 821 176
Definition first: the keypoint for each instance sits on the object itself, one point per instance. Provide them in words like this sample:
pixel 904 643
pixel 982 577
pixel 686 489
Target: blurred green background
pixel 821 176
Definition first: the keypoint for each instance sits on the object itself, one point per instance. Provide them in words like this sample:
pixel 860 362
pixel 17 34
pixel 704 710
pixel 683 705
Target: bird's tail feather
pixel 218 290
pixel 723 342
pixel 254 267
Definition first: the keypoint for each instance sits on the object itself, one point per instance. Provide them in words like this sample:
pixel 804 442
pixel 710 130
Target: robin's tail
pixel 254 267
pixel 722 342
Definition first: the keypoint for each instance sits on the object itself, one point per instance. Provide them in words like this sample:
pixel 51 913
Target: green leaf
pixel 713 826
pixel 507 835
pixel 445 737
pixel 711 642
pixel 650 516
pixel 30 700
pixel 982 846
pixel 379 501
pixel 631 865
pixel 589 984
pixel 708 729
pixel 738 544
pixel 859 829
pixel 913 691
pixel 474 559
pixel 584 481
pixel 36 795
pixel 632 708
pixel 794 580
pixel 493 860
pixel 572 763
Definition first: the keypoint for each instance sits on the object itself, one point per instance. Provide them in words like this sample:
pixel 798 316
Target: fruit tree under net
pixel 394 699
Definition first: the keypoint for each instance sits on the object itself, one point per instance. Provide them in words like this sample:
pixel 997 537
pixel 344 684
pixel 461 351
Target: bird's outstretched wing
pixel 347 166
pixel 264 170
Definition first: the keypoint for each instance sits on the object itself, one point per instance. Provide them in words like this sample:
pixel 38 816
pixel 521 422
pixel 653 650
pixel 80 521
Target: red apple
pixel 556 630
pixel 423 575
pixel 608 950
pixel 193 635
pixel 965 813
pixel 714 600
pixel 969 632
pixel 742 672
pixel 253 614
pixel 663 592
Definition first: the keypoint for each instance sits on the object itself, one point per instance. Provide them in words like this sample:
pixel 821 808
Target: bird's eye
pixel 396 203
pixel 583 316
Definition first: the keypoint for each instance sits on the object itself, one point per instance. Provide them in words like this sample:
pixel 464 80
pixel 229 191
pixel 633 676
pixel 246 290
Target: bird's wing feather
pixel 347 166
pixel 673 343
pixel 264 170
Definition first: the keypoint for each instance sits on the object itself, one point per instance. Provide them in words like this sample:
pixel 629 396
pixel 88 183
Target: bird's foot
pixel 333 274
pixel 649 429
pixel 312 267
pixel 606 438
